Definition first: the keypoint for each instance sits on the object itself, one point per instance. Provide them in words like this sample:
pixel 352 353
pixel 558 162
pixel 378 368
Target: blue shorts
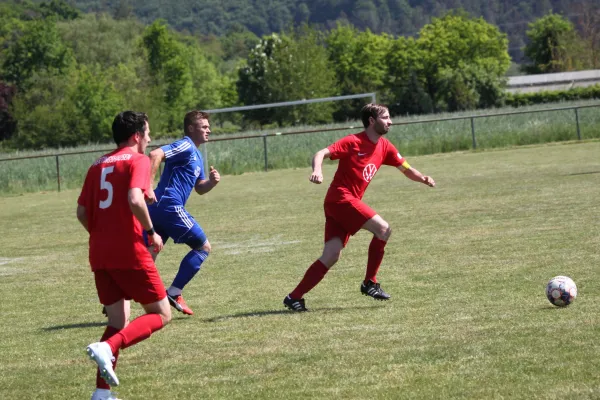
pixel 176 223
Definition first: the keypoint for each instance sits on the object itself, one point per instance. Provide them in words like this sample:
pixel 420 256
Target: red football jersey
pixel 116 236
pixel 359 161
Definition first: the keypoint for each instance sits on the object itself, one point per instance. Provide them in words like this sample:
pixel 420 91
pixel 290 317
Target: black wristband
pixel 150 231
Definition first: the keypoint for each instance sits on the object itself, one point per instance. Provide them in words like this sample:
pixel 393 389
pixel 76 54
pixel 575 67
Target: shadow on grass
pixel 584 173
pixel 550 307
pixel 281 312
pixel 74 326
pixel 94 324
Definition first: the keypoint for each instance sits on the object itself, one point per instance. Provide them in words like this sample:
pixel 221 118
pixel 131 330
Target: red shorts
pixel 141 285
pixel 344 219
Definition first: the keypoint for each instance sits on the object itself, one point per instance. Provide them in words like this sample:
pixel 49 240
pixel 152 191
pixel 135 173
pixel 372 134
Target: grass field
pixel 421 136
pixel 466 266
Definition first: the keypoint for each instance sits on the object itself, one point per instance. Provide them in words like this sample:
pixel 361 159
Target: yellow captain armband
pixel 405 165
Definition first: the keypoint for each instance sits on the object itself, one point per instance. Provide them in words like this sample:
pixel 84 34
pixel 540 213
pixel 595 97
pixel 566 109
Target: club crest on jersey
pixel 197 171
pixel 369 172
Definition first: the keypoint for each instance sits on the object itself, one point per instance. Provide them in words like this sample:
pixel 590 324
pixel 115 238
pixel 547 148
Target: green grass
pixel 292 151
pixel 466 266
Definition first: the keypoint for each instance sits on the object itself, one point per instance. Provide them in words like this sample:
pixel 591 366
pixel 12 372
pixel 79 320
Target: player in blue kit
pixel 183 172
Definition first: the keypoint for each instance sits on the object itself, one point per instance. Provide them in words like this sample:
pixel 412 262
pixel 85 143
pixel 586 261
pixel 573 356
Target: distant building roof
pixel 555 81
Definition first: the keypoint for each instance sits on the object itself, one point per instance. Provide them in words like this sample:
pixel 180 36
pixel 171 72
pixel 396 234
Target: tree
pixel 300 69
pixel 453 42
pixel 405 81
pixel 589 21
pixel 181 72
pixel 292 66
pixel 97 102
pixel 102 40
pixel 123 10
pixel 38 48
pixel 45 115
pixel 7 122
pixel 237 43
pixel 360 63
pixel 253 82
pixel 548 47
pixel 171 71
pixel 59 9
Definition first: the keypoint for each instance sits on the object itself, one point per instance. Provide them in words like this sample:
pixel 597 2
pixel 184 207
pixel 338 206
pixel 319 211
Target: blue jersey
pixel 183 168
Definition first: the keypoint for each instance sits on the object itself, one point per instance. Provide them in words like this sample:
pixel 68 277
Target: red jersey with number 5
pixel 116 235
pixel 359 161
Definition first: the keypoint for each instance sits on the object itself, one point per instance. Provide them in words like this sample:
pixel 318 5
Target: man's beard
pixel 381 130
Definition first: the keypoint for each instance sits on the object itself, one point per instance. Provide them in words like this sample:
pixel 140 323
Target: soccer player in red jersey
pixel 112 208
pixel 360 155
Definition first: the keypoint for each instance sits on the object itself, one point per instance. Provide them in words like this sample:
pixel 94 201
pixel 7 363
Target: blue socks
pixel 189 266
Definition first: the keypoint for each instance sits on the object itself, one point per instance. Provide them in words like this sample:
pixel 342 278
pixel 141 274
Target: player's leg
pixel 158 314
pixel 381 233
pixel 314 274
pixel 336 238
pixel 200 249
pixel 117 310
pixel 144 286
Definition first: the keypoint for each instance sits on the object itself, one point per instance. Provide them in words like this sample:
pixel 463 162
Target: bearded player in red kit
pixel 112 208
pixel 360 155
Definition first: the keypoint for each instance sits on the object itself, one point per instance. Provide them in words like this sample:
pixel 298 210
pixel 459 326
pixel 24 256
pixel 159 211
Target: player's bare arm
pixel 206 185
pixel 138 207
pixel 414 175
pixel 82 216
pixel 156 158
pixel 317 164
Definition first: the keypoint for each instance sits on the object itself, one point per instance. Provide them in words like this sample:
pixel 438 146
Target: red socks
pixel 376 252
pixel 314 274
pixel 139 329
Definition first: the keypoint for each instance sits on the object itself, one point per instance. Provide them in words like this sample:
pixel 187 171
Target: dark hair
pixel 192 117
pixel 371 110
pixel 126 124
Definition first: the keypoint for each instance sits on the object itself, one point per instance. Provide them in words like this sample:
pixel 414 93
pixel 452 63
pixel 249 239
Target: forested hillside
pixel 398 17
pixel 65 73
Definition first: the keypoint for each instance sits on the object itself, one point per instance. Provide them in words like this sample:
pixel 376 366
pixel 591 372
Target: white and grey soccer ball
pixel 561 291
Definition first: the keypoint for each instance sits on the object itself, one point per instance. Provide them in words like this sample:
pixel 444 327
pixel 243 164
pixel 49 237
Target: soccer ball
pixel 561 291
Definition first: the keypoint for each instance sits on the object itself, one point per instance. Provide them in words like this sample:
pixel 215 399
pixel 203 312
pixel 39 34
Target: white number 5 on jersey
pixel 105 185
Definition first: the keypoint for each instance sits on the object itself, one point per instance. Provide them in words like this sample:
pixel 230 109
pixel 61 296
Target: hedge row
pixel 553 96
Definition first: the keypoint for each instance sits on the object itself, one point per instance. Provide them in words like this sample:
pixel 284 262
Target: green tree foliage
pixel 7 121
pixel 96 102
pixel 39 47
pixel 589 25
pixel 289 67
pixel 406 79
pixel 59 9
pixel 301 70
pixel 360 62
pixel 456 63
pixel 253 80
pixel 45 113
pixel 72 72
pixel 551 41
pixel 450 44
pixel 207 84
pixel 395 17
pixel 237 43
pixel 100 39
pixel 66 112
pixel 184 76
pixel 74 75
